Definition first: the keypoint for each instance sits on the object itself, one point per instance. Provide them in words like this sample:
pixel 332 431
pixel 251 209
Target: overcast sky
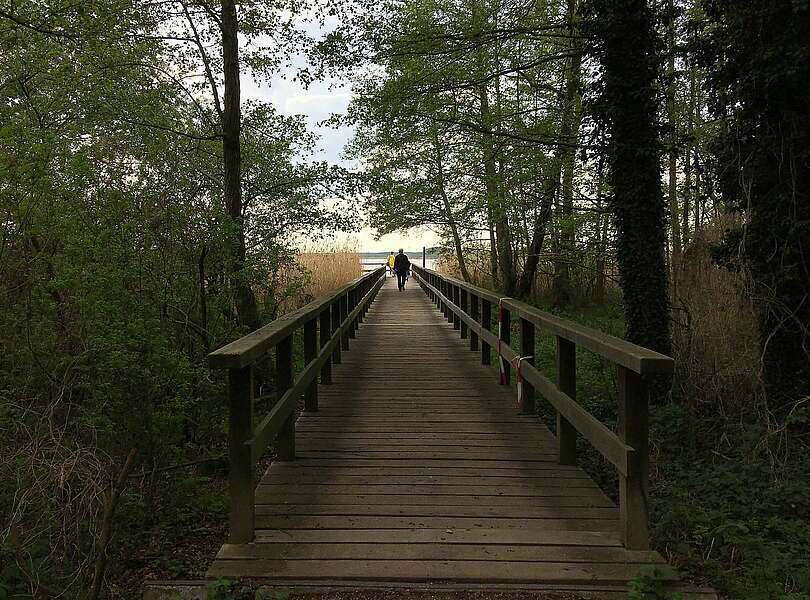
pixel 316 104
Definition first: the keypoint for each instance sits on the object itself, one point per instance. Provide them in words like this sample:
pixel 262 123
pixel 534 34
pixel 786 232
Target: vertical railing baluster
pixel 456 318
pixel 527 352
pixel 344 313
pixel 285 442
pixel 486 323
pixel 475 313
pixel 351 299
pixel 463 305
pixel 325 327
pixel 567 384
pixel 335 308
pixel 505 335
pixel 310 354
pixel 240 476
pixel 633 431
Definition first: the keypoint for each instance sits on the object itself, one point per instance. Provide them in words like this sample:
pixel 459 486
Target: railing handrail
pixel 328 324
pixel 637 358
pixel 627 449
pixel 252 346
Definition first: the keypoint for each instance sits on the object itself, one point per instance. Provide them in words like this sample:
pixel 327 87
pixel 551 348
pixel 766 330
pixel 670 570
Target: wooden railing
pixel 333 320
pixel 469 308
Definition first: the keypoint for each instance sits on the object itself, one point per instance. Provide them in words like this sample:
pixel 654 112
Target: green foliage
pixel 651 585
pixel 763 156
pixel 220 589
pixel 115 268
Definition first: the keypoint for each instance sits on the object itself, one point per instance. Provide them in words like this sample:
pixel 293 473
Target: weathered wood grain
pixel 418 468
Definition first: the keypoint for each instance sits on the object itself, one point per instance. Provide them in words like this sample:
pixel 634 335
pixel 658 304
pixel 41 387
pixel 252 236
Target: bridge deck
pixel 417 469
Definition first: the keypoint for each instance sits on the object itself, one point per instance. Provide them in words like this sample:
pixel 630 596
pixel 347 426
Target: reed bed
pixel 322 271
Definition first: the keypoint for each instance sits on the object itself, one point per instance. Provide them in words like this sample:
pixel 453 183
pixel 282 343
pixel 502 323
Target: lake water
pixel 371 263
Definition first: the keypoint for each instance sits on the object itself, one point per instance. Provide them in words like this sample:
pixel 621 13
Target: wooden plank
pixel 421 571
pixel 443 535
pixel 525 491
pixel 288 522
pixel 541 470
pixel 449 466
pixel 394 551
pixel 554 480
pixel 430 478
pixel 270 496
pixel 446 511
pixel 481 457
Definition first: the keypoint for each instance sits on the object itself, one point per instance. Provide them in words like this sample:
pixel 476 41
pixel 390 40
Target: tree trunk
pixel 625 29
pixel 451 220
pixel 569 129
pixel 687 166
pixel 506 268
pixel 674 213
pixel 246 309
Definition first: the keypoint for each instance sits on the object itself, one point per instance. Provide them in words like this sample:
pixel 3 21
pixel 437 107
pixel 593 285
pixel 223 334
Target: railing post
pixel 344 312
pixel 335 308
pixel 447 295
pixel 240 430
pixel 567 384
pixel 456 318
pixel 351 300
pixel 325 326
pixel 505 335
pixel 463 304
pixel 285 442
pixel 527 350
pixel 310 354
pixel 359 294
pixel 475 314
pixel 486 323
pixel 633 431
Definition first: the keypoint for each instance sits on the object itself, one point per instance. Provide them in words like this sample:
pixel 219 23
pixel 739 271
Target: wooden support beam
pixel 343 301
pixel 505 335
pixel 486 323
pixel 456 294
pixel 527 350
pixel 335 326
pixel 285 442
pixel 567 384
pixel 310 354
pixel 475 313
pixel 325 327
pixel 633 430
pixel 240 476
pixel 463 304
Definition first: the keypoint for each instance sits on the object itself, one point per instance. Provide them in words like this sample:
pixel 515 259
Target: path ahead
pixel 417 469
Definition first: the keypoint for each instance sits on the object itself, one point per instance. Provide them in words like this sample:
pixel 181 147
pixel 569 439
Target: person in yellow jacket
pixel 391 262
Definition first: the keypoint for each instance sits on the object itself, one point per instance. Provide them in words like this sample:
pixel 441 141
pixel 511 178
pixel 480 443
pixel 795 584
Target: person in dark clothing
pixel 401 266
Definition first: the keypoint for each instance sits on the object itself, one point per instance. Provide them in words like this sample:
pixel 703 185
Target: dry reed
pixel 324 270
pixel 716 342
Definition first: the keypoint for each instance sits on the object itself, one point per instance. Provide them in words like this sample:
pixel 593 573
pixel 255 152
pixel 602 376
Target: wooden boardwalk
pixel 417 469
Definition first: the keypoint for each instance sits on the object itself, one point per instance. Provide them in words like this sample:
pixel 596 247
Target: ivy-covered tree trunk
pixel 760 59
pixel 627 45
pixel 232 158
